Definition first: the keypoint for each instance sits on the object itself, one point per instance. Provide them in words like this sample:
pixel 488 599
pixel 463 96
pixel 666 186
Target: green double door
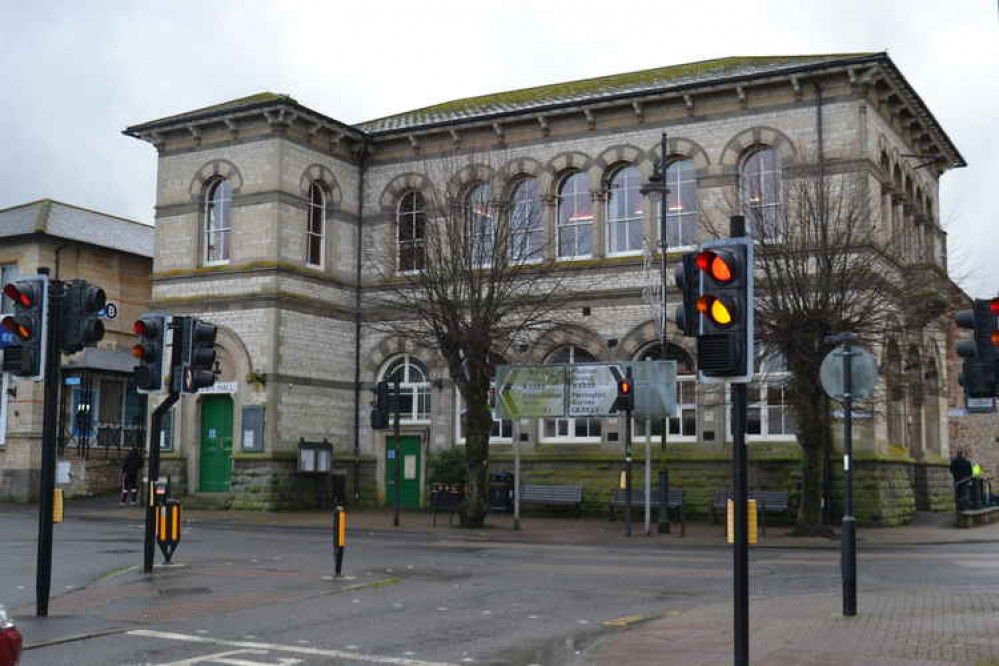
pixel 215 461
pixel 409 458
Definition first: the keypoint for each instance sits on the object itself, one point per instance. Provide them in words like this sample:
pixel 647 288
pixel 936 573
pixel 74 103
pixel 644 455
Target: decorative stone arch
pixel 400 185
pixel 673 350
pixel 931 403
pixel 743 142
pixel 616 157
pixel 574 335
pixel 234 349
pixel 213 169
pixel 680 148
pixel 897 179
pixel 519 169
pixel 913 368
pixel 321 174
pixel 570 162
pixel 394 346
pixel 472 174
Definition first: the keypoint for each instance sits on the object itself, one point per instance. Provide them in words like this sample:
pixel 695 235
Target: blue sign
pixel 109 311
pixel 7 339
pixel 72 381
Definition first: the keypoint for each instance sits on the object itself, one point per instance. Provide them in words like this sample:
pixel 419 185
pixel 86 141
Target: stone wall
pixel 274 485
pixel 92 476
pixel 934 487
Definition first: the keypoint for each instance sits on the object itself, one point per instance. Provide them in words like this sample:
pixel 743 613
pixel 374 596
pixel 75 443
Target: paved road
pixel 264 595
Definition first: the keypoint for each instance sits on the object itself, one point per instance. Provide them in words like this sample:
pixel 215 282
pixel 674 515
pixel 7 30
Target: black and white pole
pixel 740 547
pixel 155 428
pixel 849 534
pixel 43 577
pixel 397 449
pixel 627 470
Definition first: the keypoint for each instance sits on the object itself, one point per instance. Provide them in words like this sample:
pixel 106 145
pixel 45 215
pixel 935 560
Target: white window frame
pixel 676 217
pixel 418 390
pixel 481 223
pixel 529 209
pixel 772 371
pixel 419 209
pixel 316 210
pixel 570 422
pixel 639 423
pixel 219 211
pixel 626 182
pixel 756 210
pixel 501 424
pixel 566 198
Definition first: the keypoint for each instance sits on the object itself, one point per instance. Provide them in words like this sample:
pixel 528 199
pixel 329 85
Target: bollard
pixel 57 509
pixel 751 518
pixel 168 527
pixel 339 538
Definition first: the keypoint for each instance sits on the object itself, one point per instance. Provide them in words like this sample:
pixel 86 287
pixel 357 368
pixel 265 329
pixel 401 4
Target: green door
pixel 216 443
pixel 409 455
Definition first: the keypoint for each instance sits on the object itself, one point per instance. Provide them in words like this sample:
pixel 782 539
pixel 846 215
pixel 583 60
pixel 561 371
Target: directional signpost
pixel 593 389
pixel 530 391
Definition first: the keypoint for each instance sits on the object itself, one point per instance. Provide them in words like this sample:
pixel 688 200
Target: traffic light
pixel 80 324
pixel 29 325
pixel 981 354
pixel 687 280
pixel 625 395
pixel 725 305
pixel 151 352
pixel 197 354
pixel 382 406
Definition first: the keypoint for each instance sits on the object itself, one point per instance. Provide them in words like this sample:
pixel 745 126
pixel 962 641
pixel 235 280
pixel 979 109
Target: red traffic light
pixel 139 328
pixel 720 266
pixel 994 306
pixel 13 293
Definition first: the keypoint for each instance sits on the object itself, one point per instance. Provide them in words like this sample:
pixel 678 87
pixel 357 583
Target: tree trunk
pixel 814 438
pixel 480 422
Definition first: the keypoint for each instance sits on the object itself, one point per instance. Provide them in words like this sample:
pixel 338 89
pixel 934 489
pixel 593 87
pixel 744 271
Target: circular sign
pixel 110 311
pixel 863 371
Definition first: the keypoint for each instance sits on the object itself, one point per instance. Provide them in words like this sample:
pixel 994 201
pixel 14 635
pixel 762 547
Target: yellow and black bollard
pixel 168 527
pixel 57 507
pixel 339 537
pixel 751 518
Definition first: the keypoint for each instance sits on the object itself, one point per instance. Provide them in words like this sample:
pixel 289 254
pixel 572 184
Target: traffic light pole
pixel 397 450
pixel 627 471
pixel 849 544
pixel 740 550
pixel 155 427
pixel 43 578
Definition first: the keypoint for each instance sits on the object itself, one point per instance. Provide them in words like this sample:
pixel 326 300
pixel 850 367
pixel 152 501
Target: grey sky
pixel 76 73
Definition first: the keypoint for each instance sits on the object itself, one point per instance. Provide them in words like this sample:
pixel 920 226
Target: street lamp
pixel 657 184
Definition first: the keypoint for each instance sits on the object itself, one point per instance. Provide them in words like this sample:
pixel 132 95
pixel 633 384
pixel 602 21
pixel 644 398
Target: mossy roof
pixel 588 90
pixel 258 99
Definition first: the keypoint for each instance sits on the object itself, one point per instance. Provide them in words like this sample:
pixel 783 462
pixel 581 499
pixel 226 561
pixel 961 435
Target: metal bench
pixel 619 500
pixel 553 496
pixel 766 502
pixel 444 500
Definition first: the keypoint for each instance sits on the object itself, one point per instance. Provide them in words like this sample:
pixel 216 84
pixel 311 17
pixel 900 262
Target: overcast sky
pixel 76 73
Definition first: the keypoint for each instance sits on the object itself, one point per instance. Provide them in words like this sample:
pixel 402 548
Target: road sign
pixel 655 388
pixel 593 388
pixel 531 391
pixel 109 311
pixel 863 368
pixel 980 405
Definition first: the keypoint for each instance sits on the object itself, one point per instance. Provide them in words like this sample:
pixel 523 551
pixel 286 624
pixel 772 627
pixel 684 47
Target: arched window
pixel 575 217
pixel 682 426
pixel 575 429
pixel 218 202
pixel 482 224
pixel 412 224
pixel 526 231
pixel 625 212
pixel 412 376
pixel 760 187
pixel 315 229
pixel 681 204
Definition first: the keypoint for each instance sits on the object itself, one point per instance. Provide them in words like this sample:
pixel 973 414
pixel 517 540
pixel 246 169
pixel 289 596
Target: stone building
pixel 100 413
pixel 271 218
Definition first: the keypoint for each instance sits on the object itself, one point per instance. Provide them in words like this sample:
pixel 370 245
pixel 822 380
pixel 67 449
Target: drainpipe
pixel 362 162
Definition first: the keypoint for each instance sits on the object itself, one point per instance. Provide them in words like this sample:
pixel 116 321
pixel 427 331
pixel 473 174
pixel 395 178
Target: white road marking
pixel 294 649
pixel 227 659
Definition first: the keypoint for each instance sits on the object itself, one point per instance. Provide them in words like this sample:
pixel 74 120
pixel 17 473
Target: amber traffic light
pixel 724 307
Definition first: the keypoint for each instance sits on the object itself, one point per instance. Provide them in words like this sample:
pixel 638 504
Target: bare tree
pixel 829 260
pixel 468 273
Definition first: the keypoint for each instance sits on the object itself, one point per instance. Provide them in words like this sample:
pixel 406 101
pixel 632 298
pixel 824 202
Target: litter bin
pixel 501 492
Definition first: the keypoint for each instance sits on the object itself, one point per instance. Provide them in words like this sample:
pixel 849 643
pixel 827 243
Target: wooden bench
pixel 444 500
pixel 766 502
pixel 619 500
pixel 553 496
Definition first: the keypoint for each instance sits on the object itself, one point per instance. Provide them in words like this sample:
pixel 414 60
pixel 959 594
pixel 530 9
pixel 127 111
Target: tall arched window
pixel 760 187
pixel 482 224
pixel 218 202
pixel 682 426
pixel 625 212
pixel 315 229
pixel 502 429
pixel 574 429
pixel 414 384
pixel 526 231
pixel 412 224
pixel 575 217
pixel 681 204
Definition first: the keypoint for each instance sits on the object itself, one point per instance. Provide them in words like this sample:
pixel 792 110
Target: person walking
pixel 130 476
pixel 962 471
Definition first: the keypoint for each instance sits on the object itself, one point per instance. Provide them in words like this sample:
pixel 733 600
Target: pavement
pixel 928 626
